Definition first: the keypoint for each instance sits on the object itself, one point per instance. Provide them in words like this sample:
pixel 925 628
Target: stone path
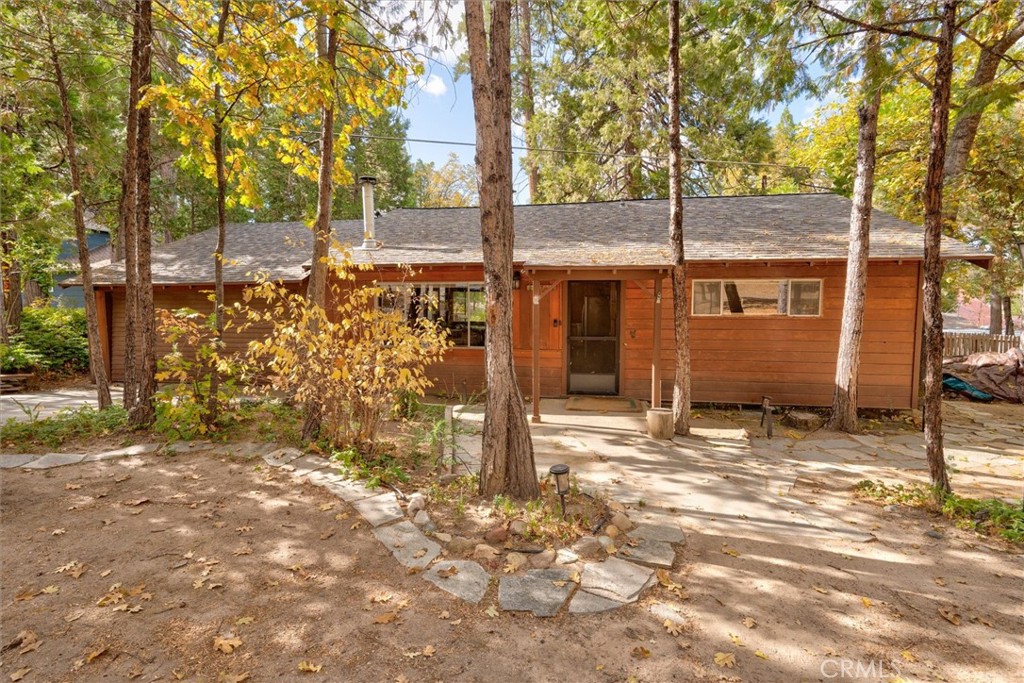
pixel 39 404
pixel 587 579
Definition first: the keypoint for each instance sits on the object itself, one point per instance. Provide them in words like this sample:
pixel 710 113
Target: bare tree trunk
pixel 680 299
pixel 316 288
pixel 96 363
pixel 212 402
pixel 507 465
pixel 932 255
pixel 526 67
pixel 31 292
pixel 995 311
pixel 1008 315
pixel 965 128
pixel 844 398
pixel 142 413
pixel 127 232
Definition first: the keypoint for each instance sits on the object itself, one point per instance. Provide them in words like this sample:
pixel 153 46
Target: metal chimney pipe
pixel 370 240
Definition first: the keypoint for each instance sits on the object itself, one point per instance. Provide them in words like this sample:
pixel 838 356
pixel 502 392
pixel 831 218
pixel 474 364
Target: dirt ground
pixel 179 558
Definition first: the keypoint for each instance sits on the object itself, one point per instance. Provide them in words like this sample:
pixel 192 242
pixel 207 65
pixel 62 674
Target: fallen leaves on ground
pixel 939 581
pixel 673 628
pixel 726 550
pixel 977 619
pixel 419 553
pixel 443 615
pixel 386 618
pixel 491 611
pixel 429 651
pixel 381 598
pixel 749 622
pixel 736 640
pixel 72 487
pixel 232 678
pixel 909 656
pixel 640 652
pixel 58 532
pixel 20 674
pixel 94 655
pixel 242 621
pixel 26 594
pixel 867 602
pixel 758 653
pixel 726 660
pixel 950 615
pixel 309 667
pixel 820 590
pixel 449 572
pixel 50 590
pixel 226 644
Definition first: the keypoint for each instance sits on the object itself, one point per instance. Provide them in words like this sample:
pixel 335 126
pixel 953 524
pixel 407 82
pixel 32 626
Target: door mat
pixel 605 404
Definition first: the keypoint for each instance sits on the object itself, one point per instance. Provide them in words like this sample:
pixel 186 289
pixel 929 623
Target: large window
pixel 459 307
pixel 797 298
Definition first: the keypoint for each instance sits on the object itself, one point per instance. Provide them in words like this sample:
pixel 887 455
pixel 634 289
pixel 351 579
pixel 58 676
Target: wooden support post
pixel 656 351
pixel 535 369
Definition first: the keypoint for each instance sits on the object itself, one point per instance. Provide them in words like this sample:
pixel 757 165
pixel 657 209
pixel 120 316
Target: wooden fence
pixel 965 343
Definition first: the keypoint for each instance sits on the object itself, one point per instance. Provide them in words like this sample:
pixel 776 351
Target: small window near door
pixel 757 298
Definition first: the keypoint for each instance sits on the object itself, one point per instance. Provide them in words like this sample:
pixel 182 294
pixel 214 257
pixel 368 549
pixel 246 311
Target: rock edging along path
pixel 587 577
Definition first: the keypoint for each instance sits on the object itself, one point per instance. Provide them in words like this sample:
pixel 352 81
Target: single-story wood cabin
pixel 593 305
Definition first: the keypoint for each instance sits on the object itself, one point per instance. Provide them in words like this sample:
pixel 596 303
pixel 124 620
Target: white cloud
pixel 433 85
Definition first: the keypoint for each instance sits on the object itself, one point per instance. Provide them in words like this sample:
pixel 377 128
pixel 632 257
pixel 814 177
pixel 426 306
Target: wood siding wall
pixel 791 359
pixel 735 359
pixel 171 298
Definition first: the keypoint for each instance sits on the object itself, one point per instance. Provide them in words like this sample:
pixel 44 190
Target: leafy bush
pixel 52 432
pixel 58 336
pixel 984 515
pixel 19 357
pixel 357 362
pixel 183 409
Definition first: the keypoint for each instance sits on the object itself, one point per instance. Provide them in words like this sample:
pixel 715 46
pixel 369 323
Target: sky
pixel 439 107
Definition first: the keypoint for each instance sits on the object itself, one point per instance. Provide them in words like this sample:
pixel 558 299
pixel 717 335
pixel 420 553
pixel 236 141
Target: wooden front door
pixel 593 337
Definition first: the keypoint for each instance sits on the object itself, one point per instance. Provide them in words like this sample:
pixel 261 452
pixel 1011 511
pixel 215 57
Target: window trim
pixel 467 286
pixel 789 296
pixel 821 295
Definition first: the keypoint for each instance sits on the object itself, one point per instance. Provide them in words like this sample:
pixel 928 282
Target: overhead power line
pixel 583 152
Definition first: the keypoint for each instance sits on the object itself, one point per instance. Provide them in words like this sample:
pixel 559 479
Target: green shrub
pixel 18 357
pixel 52 432
pixel 58 336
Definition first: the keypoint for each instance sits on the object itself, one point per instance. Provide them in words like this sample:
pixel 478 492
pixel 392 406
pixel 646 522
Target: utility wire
pixel 584 152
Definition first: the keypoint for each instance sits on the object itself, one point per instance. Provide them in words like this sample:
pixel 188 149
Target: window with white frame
pixel 459 307
pixel 757 298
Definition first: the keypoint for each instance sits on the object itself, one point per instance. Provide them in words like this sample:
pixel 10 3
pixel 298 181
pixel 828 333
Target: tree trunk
pixel 1008 315
pixel 127 233
pixel 680 299
pixel 965 128
pixel 212 402
pixel 526 67
pixel 143 412
pixel 31 292
pixel 844 398
pixel 316 288
pixel 507 465
pixel 995 312
pixel 96 364
pixel 932 256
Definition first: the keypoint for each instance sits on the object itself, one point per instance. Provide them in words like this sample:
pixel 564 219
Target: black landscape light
pixel 561 475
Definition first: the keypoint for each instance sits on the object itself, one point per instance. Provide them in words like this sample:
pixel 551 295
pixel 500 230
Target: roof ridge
pixel 617 201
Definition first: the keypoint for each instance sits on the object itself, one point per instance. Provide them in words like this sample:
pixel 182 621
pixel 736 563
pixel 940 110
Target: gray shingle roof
pixel 279 249
pixel 630 233
pixel 635 233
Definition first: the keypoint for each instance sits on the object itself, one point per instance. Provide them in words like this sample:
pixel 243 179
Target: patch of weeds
pixel 273 421
pixel 543 516
pixel 989 516
pixel 455 494
pixel 376 470
pixel 68 425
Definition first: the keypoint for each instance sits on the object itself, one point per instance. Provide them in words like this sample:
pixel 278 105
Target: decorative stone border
pixel 586 576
